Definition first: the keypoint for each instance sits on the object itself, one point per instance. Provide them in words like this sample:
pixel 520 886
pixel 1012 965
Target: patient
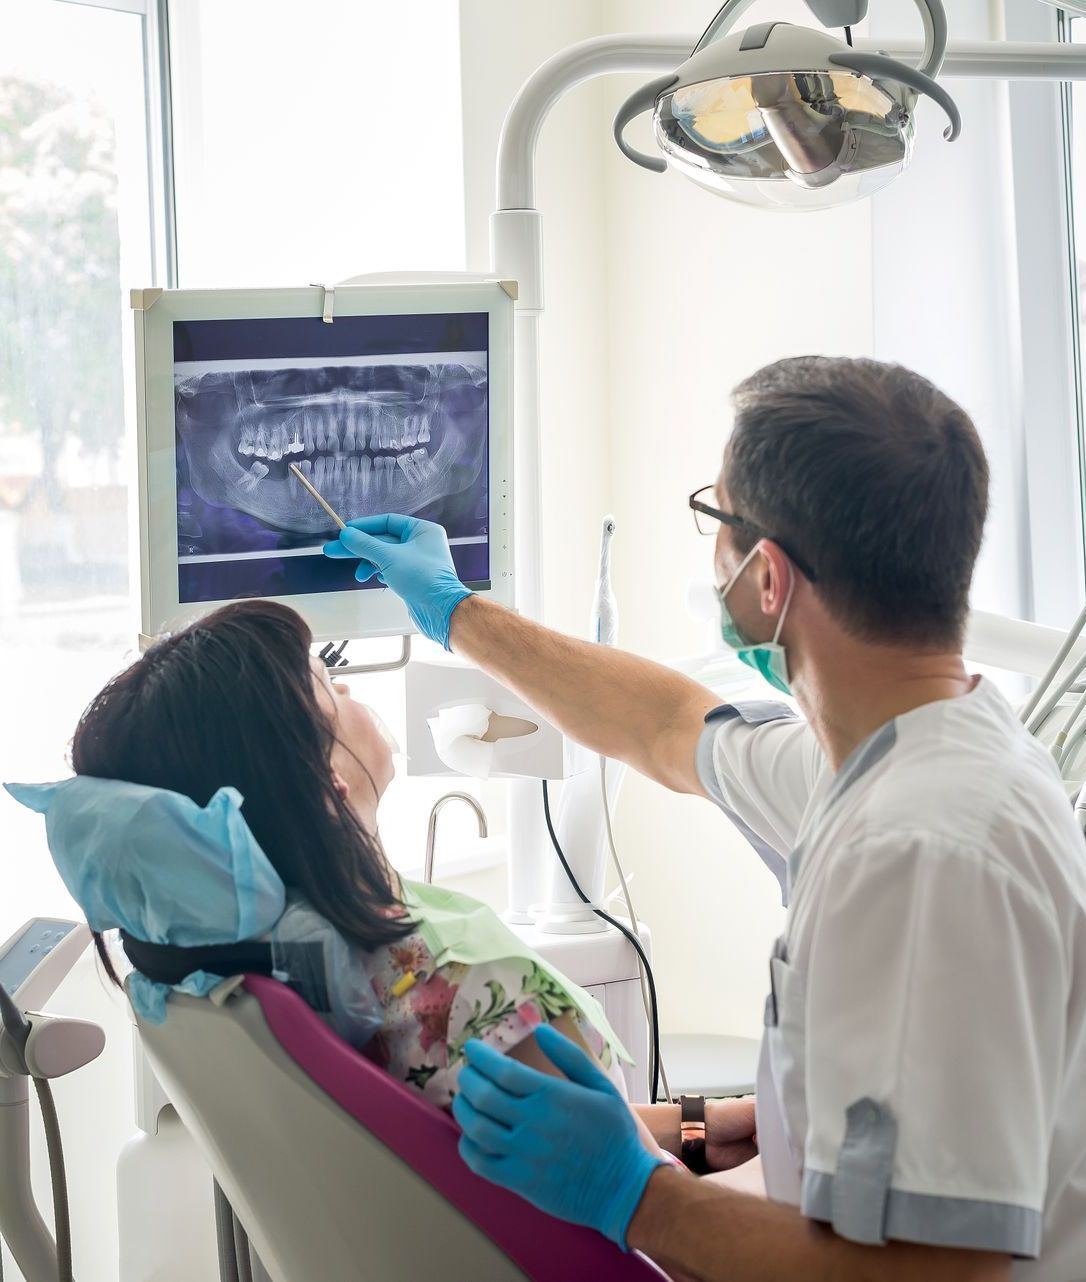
pixel 236 699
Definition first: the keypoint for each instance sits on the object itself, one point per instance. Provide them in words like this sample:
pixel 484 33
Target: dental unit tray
pixel 390 397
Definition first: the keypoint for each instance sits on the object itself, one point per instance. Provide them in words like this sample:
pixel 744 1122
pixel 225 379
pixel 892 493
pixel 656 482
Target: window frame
pixel 158 105
pixel 1052 440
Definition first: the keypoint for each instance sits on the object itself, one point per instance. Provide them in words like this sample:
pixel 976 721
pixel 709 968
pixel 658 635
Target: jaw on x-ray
pixel 384 437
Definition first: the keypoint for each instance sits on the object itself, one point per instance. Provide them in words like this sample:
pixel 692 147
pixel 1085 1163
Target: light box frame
pixel 330 615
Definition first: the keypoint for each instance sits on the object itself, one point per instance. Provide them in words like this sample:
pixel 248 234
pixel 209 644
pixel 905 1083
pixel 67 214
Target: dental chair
pixel 336 1171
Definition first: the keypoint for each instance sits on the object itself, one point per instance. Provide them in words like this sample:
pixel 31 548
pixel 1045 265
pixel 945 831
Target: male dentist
pixel 921 1104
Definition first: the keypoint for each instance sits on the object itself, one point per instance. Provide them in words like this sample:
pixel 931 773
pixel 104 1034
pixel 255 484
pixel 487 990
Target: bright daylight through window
pixel 74 230
pixel 82 217
pixel 1074 29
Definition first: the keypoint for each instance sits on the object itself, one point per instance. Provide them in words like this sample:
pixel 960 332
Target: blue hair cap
pixel 155 864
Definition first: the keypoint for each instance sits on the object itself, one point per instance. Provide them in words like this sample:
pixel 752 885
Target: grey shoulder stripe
pixel 938 1221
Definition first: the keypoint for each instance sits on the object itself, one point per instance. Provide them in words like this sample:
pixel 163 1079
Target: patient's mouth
pixel 369 438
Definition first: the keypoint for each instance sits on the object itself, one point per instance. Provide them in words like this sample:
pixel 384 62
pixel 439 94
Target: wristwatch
pixel 692 1132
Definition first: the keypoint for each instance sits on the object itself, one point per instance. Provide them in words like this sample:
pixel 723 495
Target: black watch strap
pixel 692 1132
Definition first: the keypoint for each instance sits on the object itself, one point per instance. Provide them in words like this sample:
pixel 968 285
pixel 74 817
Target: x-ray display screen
pixel 381 413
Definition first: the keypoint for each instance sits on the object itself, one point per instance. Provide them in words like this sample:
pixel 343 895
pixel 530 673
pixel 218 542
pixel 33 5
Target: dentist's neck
pixel 849 688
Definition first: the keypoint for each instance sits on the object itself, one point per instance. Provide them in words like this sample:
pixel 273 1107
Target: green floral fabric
pixel 429 1019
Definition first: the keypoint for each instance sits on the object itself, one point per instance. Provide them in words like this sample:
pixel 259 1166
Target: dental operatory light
pixel 788 117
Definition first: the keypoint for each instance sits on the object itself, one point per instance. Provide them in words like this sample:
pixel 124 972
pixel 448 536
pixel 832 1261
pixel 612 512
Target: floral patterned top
pixel 430 1012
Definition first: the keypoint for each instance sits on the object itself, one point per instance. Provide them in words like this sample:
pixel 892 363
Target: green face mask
pixel 767 657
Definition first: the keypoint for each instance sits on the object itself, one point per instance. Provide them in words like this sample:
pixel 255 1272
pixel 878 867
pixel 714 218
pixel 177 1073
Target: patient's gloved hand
pixel 570 1147
pixel 411 557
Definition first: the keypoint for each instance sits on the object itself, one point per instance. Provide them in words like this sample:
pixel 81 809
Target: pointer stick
pixel 317 495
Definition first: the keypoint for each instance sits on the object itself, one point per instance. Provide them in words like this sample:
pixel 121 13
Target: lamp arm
pixel 838 13
pixel 879 67
pixel 847 13
pixel 643 99
pixel 935 37
pixel 726 18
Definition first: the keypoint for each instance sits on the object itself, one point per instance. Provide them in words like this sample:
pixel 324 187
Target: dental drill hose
pixel 17 1027
pixel 58 1179
pixel 654 1063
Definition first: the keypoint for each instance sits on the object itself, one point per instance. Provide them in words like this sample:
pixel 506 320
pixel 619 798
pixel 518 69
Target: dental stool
pixel 710 1064
pixel 337 1171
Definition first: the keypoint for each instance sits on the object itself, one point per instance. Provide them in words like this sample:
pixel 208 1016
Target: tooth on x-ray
pixel 255 474
pixel 374 438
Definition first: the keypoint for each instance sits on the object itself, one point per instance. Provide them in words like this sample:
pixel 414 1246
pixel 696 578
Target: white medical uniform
pixel 923 1069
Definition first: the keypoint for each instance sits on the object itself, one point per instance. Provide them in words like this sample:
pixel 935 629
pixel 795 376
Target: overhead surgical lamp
pixel 787 117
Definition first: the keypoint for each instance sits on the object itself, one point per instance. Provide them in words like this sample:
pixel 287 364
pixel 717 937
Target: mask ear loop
pixel 787 603
pixel 739 570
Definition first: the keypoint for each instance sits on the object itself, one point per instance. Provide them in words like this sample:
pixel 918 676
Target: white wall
pixel 501 45
pixel 701 294
pixel 659 298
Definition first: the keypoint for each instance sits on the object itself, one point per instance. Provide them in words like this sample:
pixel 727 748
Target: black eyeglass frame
pixel 741 523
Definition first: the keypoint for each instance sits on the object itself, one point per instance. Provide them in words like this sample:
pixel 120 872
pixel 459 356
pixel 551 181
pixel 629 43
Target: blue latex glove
pixel 570 1147
pixel 411 557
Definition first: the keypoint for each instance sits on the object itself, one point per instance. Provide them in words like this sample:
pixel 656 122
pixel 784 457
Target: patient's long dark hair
pixel 230 700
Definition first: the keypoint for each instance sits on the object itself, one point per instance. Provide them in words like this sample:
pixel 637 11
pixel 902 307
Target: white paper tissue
pixel 457 734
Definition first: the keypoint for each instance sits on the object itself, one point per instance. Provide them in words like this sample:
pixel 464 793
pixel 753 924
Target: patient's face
pixel 361 756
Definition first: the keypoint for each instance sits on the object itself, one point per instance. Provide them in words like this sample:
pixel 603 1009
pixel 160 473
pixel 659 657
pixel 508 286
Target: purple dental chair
pixel 339 1173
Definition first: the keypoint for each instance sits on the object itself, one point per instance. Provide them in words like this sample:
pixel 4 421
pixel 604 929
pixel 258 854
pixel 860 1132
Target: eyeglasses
pixel 706 516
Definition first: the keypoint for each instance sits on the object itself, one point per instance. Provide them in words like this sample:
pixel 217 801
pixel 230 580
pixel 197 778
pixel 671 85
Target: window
pixel 75 233
pixel 298 152
pixel 1073 30
pixel 315 151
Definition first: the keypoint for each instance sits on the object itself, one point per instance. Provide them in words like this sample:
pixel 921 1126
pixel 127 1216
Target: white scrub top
pixel 924 1061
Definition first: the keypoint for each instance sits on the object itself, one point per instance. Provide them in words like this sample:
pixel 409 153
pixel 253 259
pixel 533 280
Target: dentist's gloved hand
pixel 411 557
pixel 570 1147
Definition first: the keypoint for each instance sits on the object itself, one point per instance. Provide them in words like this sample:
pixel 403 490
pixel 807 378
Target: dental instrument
pixel 605 628
pixel 321 500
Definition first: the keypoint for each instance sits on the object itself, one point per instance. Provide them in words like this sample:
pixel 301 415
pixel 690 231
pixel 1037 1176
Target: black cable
pixel 654 1063
pixel 58 1178
pixel 848 36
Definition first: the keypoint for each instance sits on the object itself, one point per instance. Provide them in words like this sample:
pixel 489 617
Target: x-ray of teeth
pixel 394 436
pixel 388 412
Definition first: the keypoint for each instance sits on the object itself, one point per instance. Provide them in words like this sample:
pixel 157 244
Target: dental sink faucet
pixel 431 831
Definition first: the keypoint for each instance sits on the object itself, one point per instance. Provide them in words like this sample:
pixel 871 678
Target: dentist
pixel 921 1104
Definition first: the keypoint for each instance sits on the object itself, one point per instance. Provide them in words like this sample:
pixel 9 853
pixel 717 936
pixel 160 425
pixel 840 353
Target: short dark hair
pixel 230 700
pixel 876 478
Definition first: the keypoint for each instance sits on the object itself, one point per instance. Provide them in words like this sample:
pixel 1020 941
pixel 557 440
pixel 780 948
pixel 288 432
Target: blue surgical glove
pixel 411 557
pixel 570 1147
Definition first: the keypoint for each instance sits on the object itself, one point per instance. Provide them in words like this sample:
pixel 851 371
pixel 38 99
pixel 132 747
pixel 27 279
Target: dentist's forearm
pixel 696 1228
pixel 614 703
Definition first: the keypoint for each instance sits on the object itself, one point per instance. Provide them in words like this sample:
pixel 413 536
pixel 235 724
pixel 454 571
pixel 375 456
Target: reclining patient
pixel 237 701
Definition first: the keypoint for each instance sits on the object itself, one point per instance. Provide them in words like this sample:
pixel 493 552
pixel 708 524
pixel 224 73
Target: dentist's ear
pixel 776 578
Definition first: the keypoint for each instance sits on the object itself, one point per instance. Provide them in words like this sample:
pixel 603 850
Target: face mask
pixel 767 657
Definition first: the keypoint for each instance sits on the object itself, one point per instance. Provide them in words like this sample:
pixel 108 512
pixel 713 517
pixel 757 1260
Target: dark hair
pixel 230 700
pixel 879 481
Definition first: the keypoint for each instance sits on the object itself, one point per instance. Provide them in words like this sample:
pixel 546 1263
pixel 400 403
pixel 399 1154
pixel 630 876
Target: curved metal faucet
pixel 431 831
